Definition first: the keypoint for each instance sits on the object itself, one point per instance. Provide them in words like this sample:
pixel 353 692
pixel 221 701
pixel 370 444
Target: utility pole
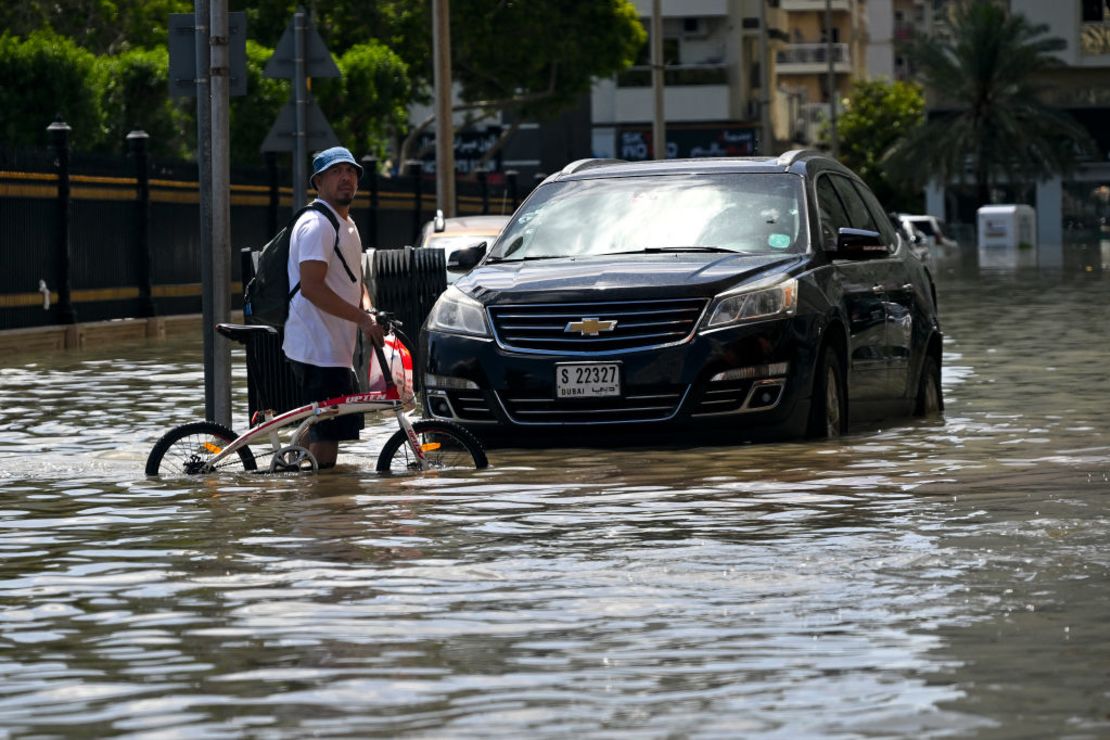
pixel 300 114
pixel 445 128
pixel 834 146
pixel 220 89
pixel 658 126
pixel 767 137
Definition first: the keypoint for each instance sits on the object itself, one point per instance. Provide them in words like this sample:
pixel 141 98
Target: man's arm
pixel 317 291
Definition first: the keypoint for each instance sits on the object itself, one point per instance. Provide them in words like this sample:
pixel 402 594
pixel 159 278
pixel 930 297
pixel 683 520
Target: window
pixel 830 209
pixel 1096 11
pixel 886 228
pixel 858 215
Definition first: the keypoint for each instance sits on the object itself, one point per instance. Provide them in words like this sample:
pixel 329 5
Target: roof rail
pixel 584 164
pixel 788 158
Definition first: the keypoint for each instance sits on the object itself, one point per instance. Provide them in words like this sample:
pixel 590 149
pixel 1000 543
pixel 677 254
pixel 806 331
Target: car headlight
pixel 754 303
pixel 457 313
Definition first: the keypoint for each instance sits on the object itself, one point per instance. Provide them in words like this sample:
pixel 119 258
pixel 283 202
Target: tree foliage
pixel 984 69
pixel 134 96
pixel 101 26
pixel 45 76
pixel 879 114
pixel 530 57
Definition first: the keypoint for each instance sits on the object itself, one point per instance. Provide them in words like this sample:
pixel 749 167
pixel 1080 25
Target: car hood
pixel 628 276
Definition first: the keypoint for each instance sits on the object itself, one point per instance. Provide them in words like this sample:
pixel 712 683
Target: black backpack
pixel 267 295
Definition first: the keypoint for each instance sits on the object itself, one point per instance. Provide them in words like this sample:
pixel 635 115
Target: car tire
pixel 930 397
pixel 828 412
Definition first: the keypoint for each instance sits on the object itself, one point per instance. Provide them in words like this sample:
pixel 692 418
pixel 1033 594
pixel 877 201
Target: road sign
pixel 183 54
pixel 317 58
pixel 318 136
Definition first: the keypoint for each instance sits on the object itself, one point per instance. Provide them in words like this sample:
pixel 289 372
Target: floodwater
pixel 930 579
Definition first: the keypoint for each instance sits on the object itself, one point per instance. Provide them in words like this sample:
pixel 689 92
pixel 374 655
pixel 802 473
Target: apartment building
pixel 714 75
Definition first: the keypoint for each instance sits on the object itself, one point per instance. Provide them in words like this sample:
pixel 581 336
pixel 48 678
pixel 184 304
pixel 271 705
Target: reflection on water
pixel 931 578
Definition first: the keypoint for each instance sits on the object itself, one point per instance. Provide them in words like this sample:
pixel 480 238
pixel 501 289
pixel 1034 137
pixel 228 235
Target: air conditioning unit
pixel 694 27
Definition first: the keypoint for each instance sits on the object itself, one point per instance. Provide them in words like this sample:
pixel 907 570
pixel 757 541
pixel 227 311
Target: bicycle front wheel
pixel 446 446
pixel 186 450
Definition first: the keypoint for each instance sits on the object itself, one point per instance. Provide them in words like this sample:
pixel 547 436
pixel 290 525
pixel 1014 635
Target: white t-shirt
pixel 313 336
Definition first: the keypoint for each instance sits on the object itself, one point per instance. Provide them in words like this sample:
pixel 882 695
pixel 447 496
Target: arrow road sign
pixel 317 58
pixel 318 136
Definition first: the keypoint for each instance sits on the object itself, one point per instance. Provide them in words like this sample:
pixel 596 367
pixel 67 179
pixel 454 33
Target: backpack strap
pixel 321 208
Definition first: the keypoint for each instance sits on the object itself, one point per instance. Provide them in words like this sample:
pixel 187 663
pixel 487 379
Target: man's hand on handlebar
pixel 371 329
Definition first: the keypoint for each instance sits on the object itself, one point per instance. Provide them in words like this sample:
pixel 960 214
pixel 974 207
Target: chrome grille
pixel 656 403
pixel 638 325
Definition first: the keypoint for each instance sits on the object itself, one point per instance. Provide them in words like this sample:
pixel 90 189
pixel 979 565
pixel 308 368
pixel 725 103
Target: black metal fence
pixel 87 238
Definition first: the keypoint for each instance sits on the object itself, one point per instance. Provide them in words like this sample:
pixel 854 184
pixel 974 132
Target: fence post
pixel 137 142
pixel 510 183
pixel 59 139
pixel 370 168
pixel 275 195
pixel 414 168
pixel 483 184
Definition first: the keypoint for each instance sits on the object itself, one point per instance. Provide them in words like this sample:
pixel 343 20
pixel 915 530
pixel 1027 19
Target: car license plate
pixel 587 380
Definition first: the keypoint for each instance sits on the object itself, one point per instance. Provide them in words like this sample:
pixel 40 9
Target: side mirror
pixel 466 258
pixel 859 244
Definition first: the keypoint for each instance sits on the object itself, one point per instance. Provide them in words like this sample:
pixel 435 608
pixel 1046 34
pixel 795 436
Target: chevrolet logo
pixel 590 327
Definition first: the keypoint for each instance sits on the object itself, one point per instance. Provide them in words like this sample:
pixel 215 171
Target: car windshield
pixel 750 213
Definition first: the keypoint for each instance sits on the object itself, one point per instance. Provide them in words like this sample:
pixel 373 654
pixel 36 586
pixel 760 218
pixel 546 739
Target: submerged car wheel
pixel 930 397
pixel 829 408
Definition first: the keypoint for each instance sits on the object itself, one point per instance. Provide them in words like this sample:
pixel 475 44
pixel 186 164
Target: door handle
pixel 876 288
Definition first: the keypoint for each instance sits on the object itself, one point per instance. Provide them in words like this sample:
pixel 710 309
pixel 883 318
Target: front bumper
pixel 757 375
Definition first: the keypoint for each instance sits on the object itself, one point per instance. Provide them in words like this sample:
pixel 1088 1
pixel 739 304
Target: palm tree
pixel 987 119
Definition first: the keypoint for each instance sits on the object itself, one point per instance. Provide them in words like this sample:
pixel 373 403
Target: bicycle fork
pixel 410 435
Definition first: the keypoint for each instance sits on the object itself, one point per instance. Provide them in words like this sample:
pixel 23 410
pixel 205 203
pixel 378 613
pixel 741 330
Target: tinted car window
pixel 878 215
pixel 830 209
pixel 858 214
pixel 758 213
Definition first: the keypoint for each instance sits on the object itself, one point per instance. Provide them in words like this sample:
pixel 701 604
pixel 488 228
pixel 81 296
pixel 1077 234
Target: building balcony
pixel 812 59
pixel 804 5
pixel 1094 38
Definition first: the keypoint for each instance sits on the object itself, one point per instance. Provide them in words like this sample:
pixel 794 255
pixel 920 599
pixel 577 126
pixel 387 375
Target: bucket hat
pixel 328 158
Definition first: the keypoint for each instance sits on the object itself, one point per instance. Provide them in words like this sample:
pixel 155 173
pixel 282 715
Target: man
pixel 332 304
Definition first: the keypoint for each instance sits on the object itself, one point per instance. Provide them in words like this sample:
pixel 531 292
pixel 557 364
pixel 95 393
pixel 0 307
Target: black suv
pixel 760 293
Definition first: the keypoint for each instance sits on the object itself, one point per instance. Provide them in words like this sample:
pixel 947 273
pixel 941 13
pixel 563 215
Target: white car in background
pixel 930 226
pixel 453 234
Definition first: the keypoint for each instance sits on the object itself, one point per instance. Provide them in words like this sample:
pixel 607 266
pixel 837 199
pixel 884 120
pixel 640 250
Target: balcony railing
pixel 811 54
pixel 676 76
pixel 1094 38
pixel 801 5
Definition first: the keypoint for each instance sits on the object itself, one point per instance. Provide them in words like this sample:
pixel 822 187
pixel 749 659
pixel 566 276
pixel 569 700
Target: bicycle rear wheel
pixel 446 446
pixel 185 450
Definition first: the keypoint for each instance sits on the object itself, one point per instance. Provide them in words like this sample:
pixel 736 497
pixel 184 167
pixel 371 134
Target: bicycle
pixel 203 447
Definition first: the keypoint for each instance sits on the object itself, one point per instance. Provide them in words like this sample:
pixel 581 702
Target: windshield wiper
pixel 529 258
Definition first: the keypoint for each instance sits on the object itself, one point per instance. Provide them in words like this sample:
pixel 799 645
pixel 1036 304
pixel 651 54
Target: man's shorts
pixel 316 383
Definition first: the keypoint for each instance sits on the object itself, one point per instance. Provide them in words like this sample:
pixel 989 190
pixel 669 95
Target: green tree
pixel 984 68
pixel 41 77
pixel 368 105
pixel 135 85
pixel 253 114
pixel 101 26
pixel 879 114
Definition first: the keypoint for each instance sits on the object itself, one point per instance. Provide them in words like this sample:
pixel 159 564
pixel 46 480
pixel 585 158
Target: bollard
pixel 370 170
pixel 137 143
pixel 59 139
pixel 414 167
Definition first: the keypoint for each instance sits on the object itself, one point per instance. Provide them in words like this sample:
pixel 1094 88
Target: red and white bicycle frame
pixel 356 403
